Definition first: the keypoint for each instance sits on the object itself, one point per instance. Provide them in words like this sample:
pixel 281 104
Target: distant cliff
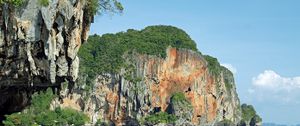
pixel 211 98
pixel 125 85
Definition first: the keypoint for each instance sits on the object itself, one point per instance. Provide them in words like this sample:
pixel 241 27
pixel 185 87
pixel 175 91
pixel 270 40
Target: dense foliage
pixel 104 54
pixel 213 65
pixel 179 97
pixel 40 114
pixel 161 117
pixel 248 111
pixel 249 114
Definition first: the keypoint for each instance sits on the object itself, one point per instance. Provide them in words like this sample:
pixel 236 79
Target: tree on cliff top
pixel 102 6
pixel 249 114
pixel 105 52
pixel 93 6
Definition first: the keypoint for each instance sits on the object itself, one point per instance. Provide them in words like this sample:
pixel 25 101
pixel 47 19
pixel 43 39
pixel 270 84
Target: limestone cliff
pixel 39 44
pixel 38 47
pixel 121 100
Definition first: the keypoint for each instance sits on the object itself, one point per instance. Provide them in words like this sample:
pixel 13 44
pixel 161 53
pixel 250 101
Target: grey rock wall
pixel 39 44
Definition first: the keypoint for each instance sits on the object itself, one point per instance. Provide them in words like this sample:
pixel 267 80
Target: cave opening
pixel 13 99
pixel 156 109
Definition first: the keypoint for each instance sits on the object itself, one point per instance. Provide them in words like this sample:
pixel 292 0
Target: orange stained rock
pixel 198 104
pixel 112 99
pixel 69 102
pixel 178 73
pixel 212 108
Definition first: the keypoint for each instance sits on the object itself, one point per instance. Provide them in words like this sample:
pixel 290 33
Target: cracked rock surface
pixel 39 44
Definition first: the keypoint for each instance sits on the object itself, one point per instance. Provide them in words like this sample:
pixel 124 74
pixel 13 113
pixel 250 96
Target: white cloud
pixel 230 67
pixel 271 80
pixel 271 86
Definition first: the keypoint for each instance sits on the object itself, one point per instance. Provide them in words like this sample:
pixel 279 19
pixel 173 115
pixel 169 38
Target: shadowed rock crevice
pixel 16 98
pixel 13 100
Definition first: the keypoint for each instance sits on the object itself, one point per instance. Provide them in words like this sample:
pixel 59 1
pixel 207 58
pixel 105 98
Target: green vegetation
pixel 18 3
pixel 93 6
pixel 44 2
pixel 180 106
pixel 39 113
pixel 228 86
pixel 180 99
pixel 101 123
pixel 225 122
pixel 12 2
pixel 41 101
pixel 228 78
pixel 161 117
pixel 213 65
pixel 105 54
pixel 255 120
pixel 215 69
pixel 100 6
pixel 249 114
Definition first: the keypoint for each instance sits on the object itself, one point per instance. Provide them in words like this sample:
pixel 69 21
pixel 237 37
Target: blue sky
pixel 258 38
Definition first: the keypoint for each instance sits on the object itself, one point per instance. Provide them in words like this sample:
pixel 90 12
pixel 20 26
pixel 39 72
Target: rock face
pixel 39 44
pixel 120 99
pixel 38 47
